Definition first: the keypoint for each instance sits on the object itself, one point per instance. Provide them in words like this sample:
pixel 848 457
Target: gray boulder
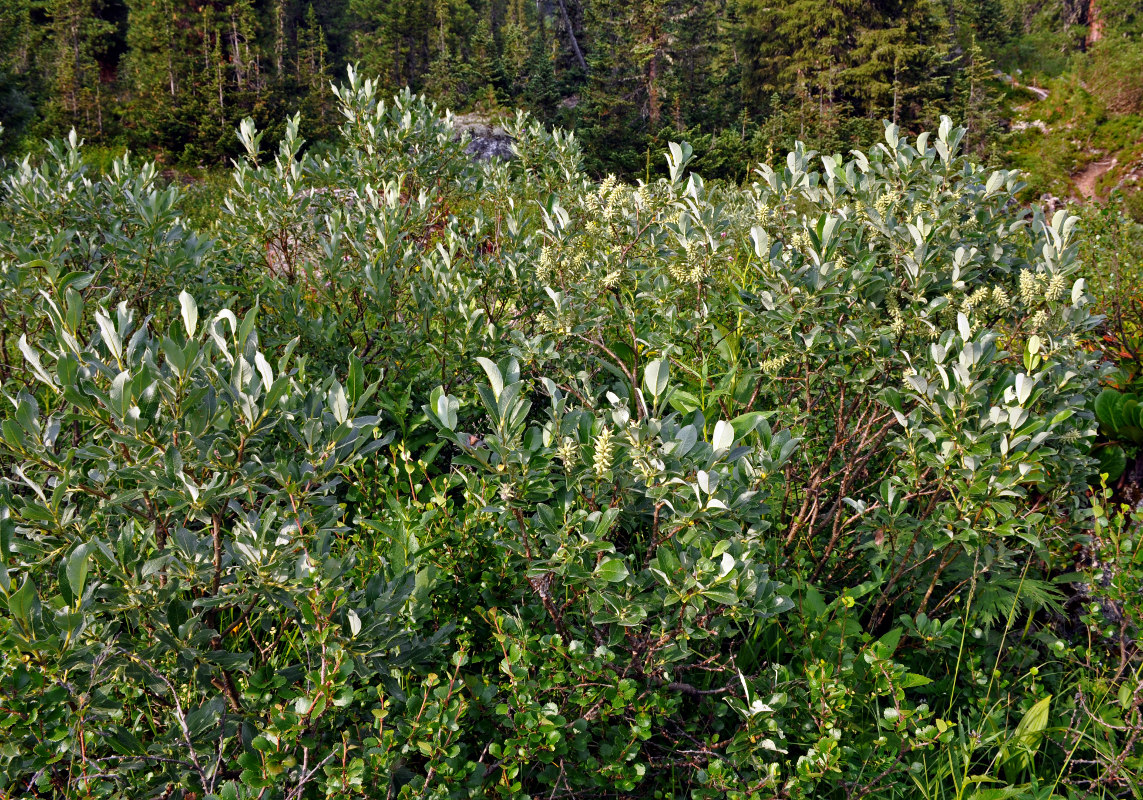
pixel 485 139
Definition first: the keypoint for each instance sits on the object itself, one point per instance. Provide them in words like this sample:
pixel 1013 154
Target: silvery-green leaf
pixel 188 308
pixel 723 436
pixel 655 377
pixel 494 377
pixel 338 403
pixel 1024 386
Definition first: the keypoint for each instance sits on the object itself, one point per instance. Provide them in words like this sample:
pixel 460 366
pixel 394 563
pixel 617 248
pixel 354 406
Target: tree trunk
pixel 654 102
pixel 1094 22
pixel 571 36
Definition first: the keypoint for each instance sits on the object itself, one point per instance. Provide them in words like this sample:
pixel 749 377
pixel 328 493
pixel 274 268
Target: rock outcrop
pixel 486 139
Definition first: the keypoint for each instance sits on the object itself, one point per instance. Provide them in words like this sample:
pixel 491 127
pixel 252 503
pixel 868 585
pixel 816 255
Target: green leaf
pixel 723 438
pixel 355 381
pixel 612 570
pixel 1024 386
pixel 77 564
pixel 743 424
pixel 1112 461
pixel 685 439
pixel 20 602
pixel 33 360
pixel 887 644
pixel 1035 720
pixel 120 393
pixel 684 402
pixel 655 377
pixel 109 334
pixel 494 377
pixel 1104 404
pixel 1026 738
pixel 443 408
pixel 338 403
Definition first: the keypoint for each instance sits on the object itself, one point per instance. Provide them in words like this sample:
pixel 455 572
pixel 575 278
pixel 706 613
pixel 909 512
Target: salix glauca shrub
pixel 721 491
pixel 119 236
pixel 180 605
pixel 895 311
pixel 918 334
pixel 396 245
pixel 640 546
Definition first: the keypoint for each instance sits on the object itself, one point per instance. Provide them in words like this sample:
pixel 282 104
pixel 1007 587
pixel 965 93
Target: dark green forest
pixel 736 78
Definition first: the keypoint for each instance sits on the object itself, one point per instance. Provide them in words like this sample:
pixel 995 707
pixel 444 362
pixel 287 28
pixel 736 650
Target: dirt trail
pixel 1041 94
pixel 1086 179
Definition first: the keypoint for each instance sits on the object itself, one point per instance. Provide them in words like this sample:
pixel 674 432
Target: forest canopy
pixel 737 78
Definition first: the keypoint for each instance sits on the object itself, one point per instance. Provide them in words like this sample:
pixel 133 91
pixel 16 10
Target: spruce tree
pixel 542 94
pixel 76 34
pixel 977 100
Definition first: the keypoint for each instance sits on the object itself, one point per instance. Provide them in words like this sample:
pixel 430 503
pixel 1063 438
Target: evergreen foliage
pixel 175 78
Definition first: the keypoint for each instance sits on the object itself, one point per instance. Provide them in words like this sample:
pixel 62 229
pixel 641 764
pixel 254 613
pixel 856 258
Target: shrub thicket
pixel 427 478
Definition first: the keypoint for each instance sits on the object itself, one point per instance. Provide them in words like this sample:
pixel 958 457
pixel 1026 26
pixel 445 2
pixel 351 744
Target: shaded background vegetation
pixel 737 78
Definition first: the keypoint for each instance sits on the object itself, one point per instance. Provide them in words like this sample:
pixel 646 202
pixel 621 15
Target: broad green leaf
pixel 655 377
pixel 77 564
pixel 33 360
pixel 338 403
pixel 723 438
pixel 1104 408
pixel 494 377
pixel 743 424
pixel 1027 737
pixel 1024 386
pixel 612 570
pixel 20 602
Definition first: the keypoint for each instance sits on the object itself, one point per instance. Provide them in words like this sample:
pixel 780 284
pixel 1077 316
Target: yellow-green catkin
pixel 568 452
pixel 604 453
pixel 774 364
pixel 1055 289
pixel 1029 287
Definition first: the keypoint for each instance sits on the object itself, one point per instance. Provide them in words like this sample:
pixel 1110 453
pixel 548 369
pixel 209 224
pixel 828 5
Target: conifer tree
pixel 75 34
pixel 313 74
pixel 977 100
pixel 16 75
pixel 541 94
pixel 486 67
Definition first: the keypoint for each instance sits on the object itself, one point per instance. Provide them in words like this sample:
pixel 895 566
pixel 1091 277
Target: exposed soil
pixel 1087 178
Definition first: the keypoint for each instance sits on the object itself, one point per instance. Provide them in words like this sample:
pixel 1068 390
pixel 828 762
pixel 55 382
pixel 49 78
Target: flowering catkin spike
pixel 1029 287
pixel 773 365
pixel 604 452
pixel 567 451
pixel 1055 289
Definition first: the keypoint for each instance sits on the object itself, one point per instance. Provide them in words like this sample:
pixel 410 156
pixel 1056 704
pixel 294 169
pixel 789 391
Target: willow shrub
pixel 658 490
